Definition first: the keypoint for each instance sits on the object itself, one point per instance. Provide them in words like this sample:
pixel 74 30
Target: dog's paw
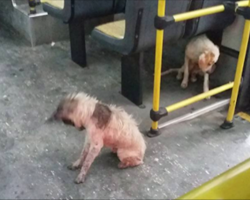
pixel 193 80
pixel 73 167
pixel 184 85
pixel 122 165
pixel 79 179
pixel 179 77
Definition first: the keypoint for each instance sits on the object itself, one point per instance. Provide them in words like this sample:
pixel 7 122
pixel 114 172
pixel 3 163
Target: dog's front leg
pixel 78 163
pixel 184 83
pixel 206 83
pixel 95 148
pixel 180 72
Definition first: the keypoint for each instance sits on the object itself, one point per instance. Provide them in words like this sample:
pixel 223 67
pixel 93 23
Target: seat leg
pixel 132 78
pixel 77 42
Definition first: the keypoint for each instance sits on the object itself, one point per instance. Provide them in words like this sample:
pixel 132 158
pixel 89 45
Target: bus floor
pixel 34 155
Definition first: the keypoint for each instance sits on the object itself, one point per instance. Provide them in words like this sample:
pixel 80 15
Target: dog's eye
pixel 81 128
pixel 68 122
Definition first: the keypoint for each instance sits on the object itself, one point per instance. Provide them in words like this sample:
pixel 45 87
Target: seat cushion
pixel 55 3
pixel 113 29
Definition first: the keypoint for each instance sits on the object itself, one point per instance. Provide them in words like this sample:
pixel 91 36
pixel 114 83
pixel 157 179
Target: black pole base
pixel 227 125
pixel 32 12
pixel 153 133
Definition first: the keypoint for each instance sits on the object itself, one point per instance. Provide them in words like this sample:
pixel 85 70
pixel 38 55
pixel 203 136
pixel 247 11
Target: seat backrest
pixel 88 9
pixel 213 22
pixel 140 31
pixel 84 9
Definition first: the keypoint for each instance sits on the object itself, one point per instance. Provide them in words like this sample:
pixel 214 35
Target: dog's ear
pixel 64 109
pixel 101 115
pixel 202 60
pixel 206 59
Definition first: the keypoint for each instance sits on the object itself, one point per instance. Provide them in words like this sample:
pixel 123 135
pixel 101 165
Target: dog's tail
pixel 169 71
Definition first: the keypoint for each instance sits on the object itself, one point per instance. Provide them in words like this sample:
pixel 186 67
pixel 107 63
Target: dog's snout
pixel 52 118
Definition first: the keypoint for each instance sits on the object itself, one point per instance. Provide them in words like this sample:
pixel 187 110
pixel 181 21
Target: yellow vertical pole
pixel 158 62
pixel 239 70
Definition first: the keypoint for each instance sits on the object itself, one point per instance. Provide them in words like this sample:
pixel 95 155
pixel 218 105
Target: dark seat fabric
pixel 85 9
pixel 88 9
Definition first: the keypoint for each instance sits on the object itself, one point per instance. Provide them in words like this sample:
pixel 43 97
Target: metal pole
pixel 158 65
pixel 32 5
pixel 199 97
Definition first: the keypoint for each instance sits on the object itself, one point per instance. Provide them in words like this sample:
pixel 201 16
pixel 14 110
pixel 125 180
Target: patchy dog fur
pixel 201 54
pixel 106 125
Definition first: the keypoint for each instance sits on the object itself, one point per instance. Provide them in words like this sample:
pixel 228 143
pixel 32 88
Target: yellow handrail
pixel 199 97
pixel 205 11
pixel 158 61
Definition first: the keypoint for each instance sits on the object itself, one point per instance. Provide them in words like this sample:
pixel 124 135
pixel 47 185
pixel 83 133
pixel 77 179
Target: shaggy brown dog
pixel 106 125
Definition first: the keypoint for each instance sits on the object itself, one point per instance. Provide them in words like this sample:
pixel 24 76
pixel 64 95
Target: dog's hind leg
pixel 180 72
pixel 129 162
pixel 128 159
